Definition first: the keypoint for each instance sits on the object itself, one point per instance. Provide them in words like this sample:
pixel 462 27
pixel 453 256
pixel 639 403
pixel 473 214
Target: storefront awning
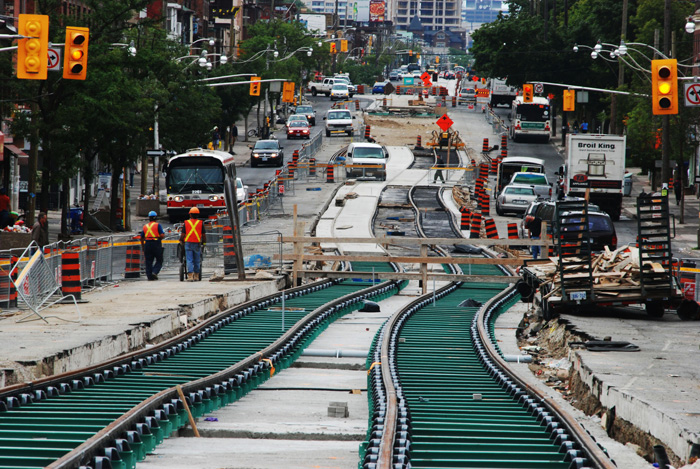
pixel 23 157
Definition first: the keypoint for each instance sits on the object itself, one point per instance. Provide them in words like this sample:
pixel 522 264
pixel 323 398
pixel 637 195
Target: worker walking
pixel 151 236
pixel 194 238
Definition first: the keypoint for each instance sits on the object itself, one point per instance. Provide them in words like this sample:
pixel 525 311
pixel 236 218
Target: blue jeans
pixel 535 249
pixel 193 254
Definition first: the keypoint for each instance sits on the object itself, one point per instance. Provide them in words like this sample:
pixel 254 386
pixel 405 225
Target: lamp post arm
pixel 588 88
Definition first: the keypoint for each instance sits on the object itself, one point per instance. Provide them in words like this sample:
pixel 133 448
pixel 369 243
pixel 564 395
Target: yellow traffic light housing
pixel 288 92
pixel 664 87
pixel 33 51
pixel 410 53
pixel 333 48
pixel 528 92
pixel 344 45
pixel 76 53
pixel 569 103
pixel 437 59
pixel 254 86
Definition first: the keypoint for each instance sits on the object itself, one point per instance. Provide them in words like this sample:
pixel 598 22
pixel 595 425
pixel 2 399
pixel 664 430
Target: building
pixel 478 12
pixel 435 15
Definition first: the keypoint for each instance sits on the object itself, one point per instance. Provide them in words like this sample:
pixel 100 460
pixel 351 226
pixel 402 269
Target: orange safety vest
pixel 193 231
pixel 150 231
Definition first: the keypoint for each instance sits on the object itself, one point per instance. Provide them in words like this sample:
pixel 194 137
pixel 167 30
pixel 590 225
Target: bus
pixel 196 179
pixel 532 120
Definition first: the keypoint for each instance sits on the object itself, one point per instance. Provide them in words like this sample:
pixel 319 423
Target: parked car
pixel 394 75
pixel 298 129
pixel 340 91
pixel 241 191
pixel 602 229
pixel 307 111
pixel 378 87
pixel 297 118
pixel 538 181
pixel 467 95
pixel 267 151
pixel 515 198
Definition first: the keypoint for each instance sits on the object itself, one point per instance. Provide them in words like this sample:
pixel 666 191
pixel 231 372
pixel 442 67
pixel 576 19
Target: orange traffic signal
pixel 333 48
pixel 288 92
pixel 33 51
pixel 254 86
pixel 528 92
pixel 664 87
pixel 76 53
pixel 569 103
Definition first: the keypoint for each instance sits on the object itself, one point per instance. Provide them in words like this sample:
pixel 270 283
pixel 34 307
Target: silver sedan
pixel 515 198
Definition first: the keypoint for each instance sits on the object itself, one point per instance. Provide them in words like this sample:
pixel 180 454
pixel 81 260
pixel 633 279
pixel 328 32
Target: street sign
pixel 54 59
pixel 539 88
pixel 407 81
pixel 692 94
pixel 155 152
pixel 425 76
pixel 444 122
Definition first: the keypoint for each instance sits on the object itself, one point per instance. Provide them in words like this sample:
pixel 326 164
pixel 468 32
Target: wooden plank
pixel 404 259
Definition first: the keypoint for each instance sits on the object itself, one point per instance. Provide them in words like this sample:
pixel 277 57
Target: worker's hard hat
pixel 194 210
pixel 152 213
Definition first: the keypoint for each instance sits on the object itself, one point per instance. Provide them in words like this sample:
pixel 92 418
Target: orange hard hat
pixel 194 210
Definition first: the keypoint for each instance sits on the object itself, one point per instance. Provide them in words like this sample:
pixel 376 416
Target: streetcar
pixel 196 179
pixel 532 120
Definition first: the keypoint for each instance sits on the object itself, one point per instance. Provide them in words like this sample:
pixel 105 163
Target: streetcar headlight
pixel 178 198
pixel 213 198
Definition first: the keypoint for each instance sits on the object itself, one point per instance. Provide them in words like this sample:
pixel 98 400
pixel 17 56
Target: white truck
pixel 500 93
pixel 325 86
pixel 595 163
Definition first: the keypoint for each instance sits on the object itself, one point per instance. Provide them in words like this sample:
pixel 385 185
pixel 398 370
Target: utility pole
pixel 620 76
pixel 665 120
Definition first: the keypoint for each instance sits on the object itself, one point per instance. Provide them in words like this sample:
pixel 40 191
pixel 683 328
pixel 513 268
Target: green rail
pixel 55 420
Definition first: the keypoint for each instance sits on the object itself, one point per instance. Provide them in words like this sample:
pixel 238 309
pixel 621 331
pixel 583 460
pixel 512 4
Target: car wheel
pixel 351 133
pixel 655 309
pixel 499 211
pixel 327 94
pixel 328 133
pixel 280 162
pixel 314 92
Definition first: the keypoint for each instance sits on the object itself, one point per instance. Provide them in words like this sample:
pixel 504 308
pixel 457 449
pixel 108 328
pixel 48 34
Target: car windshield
pixel 297 124
pixel 533 112
pixel 361 152
pixel 305 110
pixel 339 115
pixel 266 145
pixel 186 179
pixel 520 191
pixel 297 117
pixel 340 87
pixel 530 178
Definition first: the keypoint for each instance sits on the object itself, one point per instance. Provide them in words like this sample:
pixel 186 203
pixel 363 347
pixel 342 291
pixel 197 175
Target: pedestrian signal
pixel 255 86
pixel 527 92
pixel 76 53
pixel 33 50
pixel 569 103
pixel 664 87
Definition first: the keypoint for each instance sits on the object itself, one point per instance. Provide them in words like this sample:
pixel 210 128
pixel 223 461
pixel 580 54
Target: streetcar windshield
pixel 190 179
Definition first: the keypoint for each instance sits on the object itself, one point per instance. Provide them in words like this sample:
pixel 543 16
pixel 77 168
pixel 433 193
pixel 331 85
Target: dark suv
pixel 602 230
pixel 266 152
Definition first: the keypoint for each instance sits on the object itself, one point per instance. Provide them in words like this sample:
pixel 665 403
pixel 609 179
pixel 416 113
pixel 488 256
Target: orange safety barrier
pixel 230 264
pixel 454 101
pixel 419 142
pixel 513 231
pixel 367 128
pixel 295 156
pixel 485 146
pixel 133 261
pixel 504 142
pixel 473 163
pixel 490 227
pixel 504 153
pixel 312 167
pixel 475 231
pixel 70 274
pixel 361 89
pixel 384 102
pixel 485 204
pixel 330 177
pixel 8 292
pixel 357 105
pixel 465 217
pixel 494 166
pixel 291 167
pixel 484 170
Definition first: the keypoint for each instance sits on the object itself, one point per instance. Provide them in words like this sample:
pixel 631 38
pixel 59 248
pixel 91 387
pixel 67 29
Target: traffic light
pixel 527 92
pixel 569 100
pixel 664 87
pixel 437 59
pixel 410 52
pixel 344 45
pixel 33 51
pixel 333 50
pixel 288 92
pixel 76 53
pixel 254 86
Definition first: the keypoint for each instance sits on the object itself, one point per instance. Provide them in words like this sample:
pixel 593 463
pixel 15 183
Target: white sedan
pixel 515 198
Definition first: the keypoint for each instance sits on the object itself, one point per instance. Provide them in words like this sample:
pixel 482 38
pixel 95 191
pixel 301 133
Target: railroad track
pixel 442 395
pixel 111 415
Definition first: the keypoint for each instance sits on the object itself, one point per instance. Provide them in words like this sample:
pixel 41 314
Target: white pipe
pixel 337 353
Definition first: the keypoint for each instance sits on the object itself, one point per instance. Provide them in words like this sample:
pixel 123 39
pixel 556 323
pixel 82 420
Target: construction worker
pixel 151 236
pixel 194 238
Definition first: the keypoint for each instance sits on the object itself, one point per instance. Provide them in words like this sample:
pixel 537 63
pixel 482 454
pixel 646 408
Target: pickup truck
pixel 326 86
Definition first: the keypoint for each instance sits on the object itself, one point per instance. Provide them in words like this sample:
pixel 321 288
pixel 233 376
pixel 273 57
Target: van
pixel 339 121
pixel 516 164
pixel 366 160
